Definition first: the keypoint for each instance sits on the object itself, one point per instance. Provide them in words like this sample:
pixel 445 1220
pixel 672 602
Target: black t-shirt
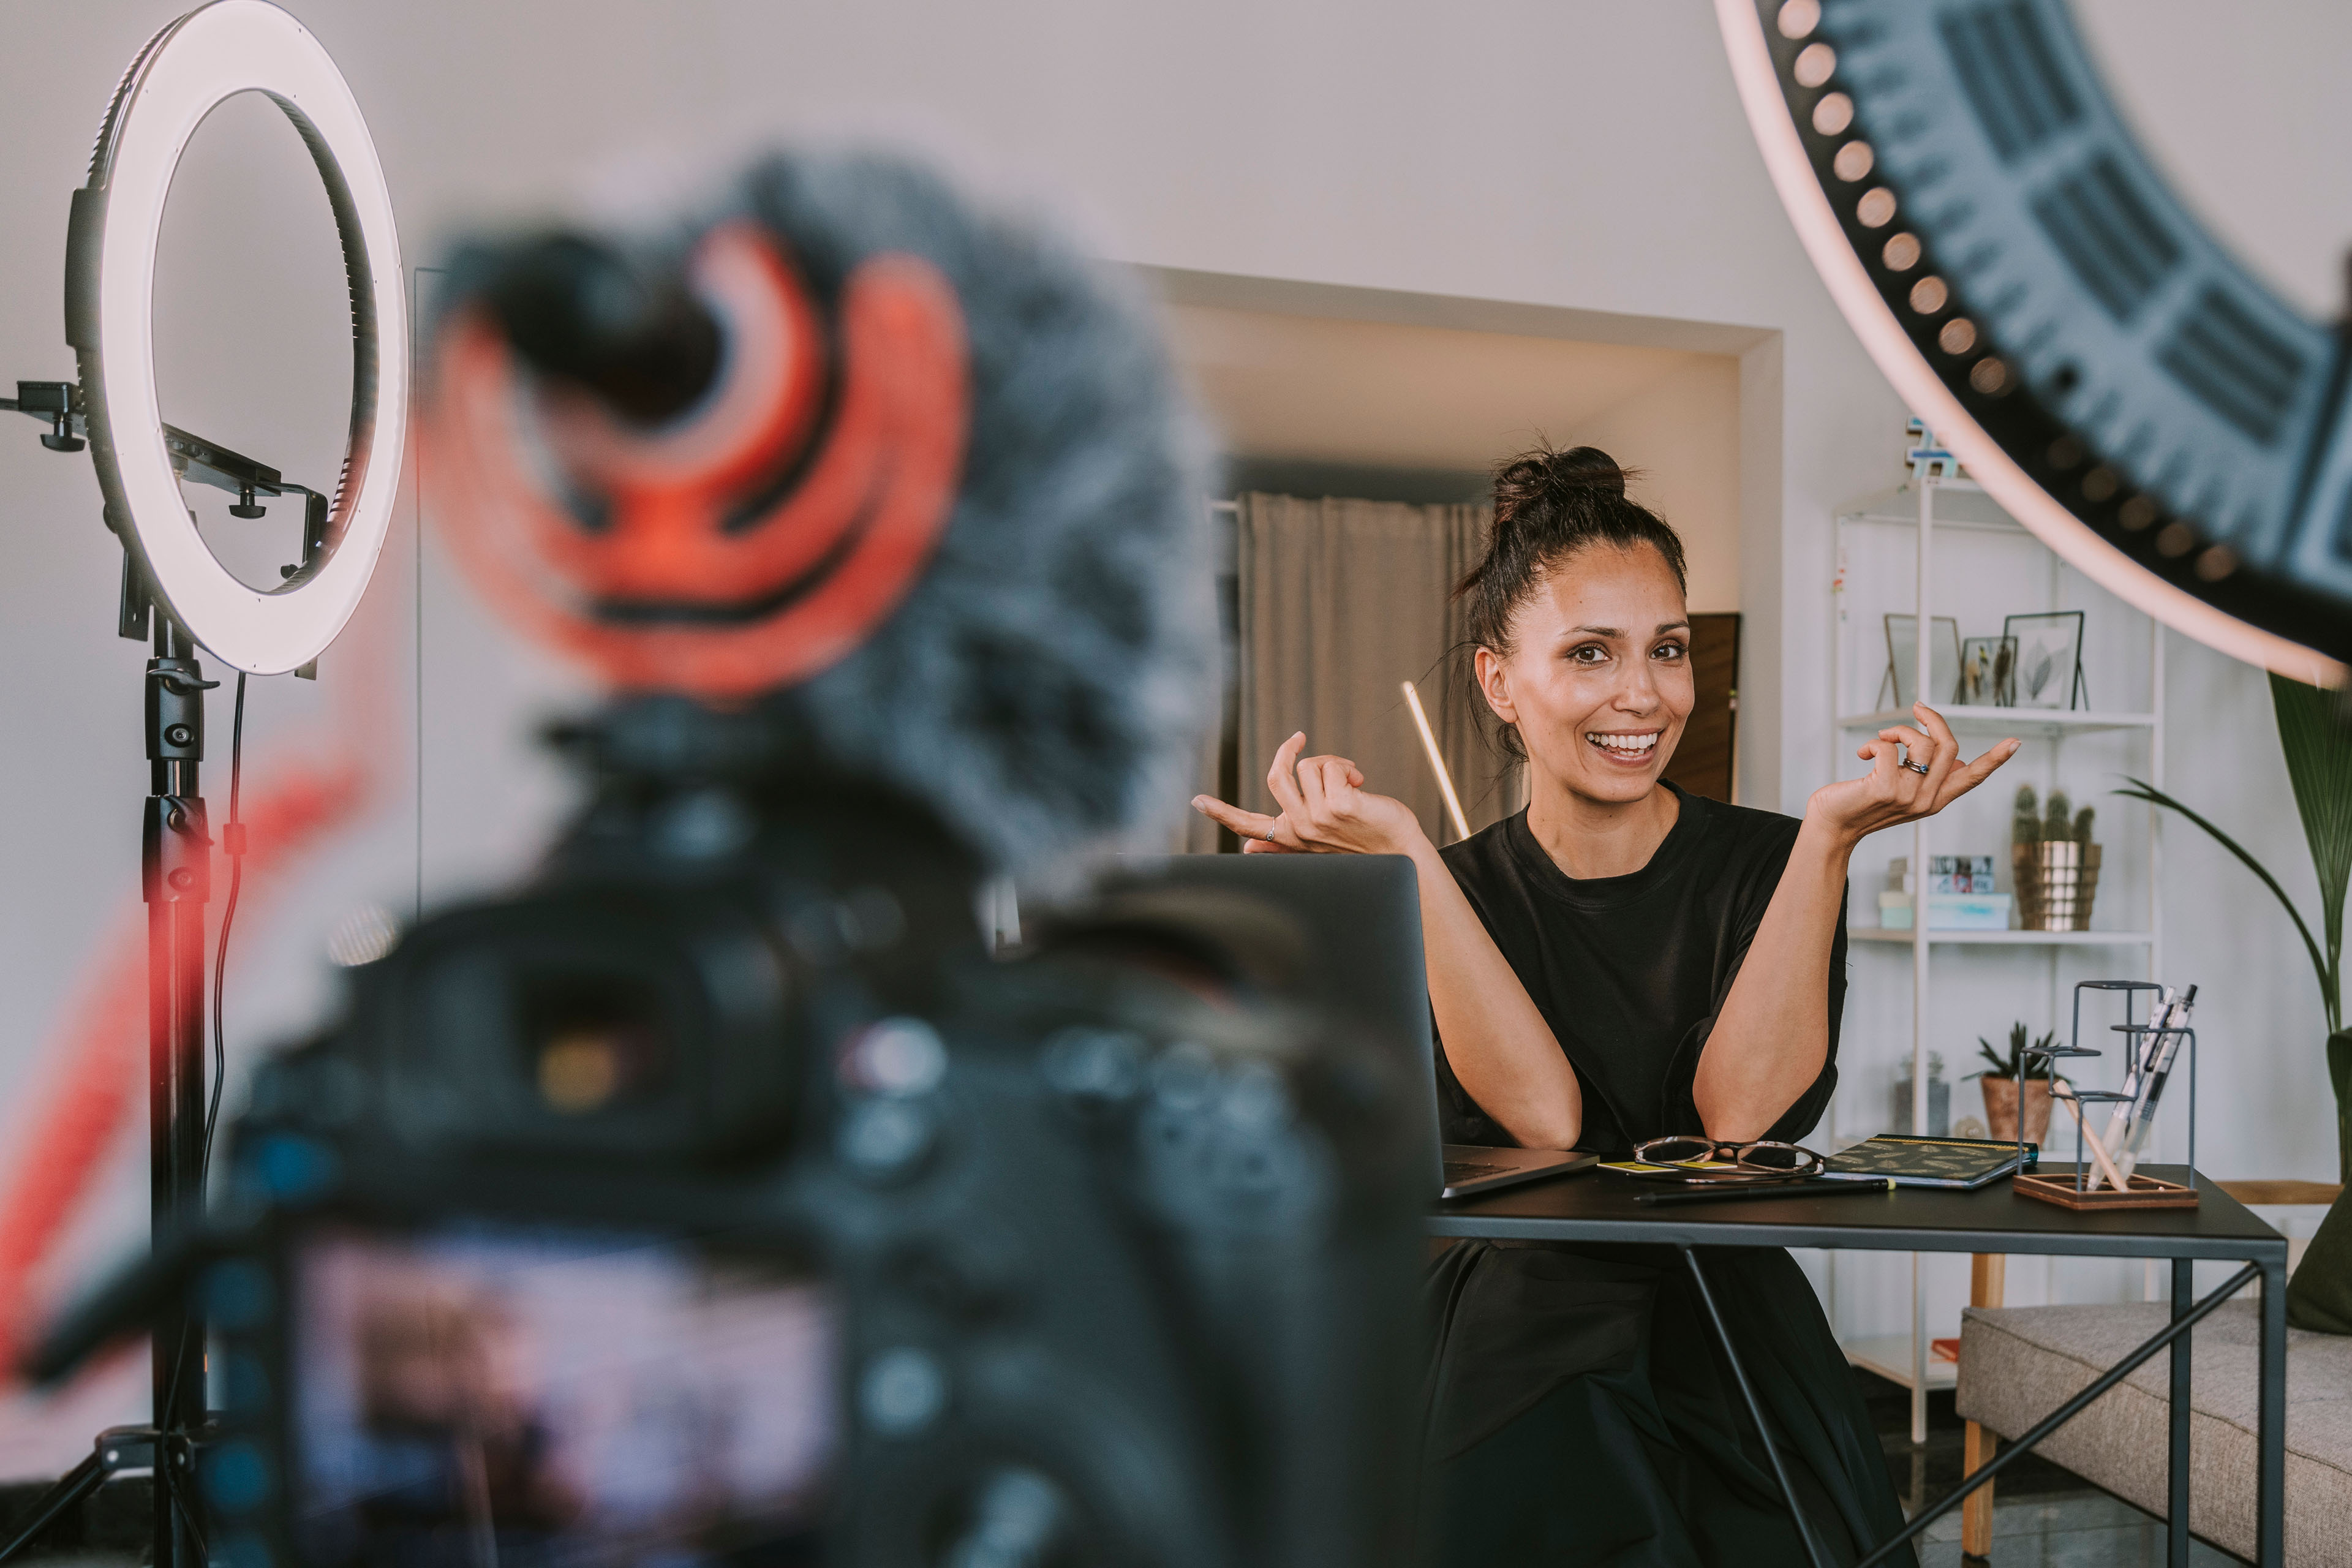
pixel 1630 971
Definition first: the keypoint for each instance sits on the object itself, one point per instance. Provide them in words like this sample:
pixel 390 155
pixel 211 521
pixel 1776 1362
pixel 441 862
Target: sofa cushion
pixel 2019 1364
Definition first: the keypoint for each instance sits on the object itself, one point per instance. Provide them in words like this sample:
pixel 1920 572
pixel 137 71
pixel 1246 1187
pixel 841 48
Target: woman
pixel 1622 962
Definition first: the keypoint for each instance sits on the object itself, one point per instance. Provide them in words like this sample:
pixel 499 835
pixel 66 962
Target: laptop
pixel 1360 915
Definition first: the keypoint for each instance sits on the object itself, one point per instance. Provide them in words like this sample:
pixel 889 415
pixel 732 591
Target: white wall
pixel 1588 155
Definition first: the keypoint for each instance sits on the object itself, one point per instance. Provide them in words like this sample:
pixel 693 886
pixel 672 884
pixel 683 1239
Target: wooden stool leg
pixel 1987 1276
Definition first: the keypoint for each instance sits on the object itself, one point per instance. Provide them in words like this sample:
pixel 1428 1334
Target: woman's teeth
pixel 1629 746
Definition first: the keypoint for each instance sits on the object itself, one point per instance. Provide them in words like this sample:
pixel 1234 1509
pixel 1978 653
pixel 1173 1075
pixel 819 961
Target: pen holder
pixel 2075 1191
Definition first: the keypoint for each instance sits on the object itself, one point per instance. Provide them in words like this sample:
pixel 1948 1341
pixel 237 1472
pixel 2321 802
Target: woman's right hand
pixel 1326 810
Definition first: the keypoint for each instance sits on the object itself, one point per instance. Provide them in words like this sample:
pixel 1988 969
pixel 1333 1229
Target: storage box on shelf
pixel 1940 548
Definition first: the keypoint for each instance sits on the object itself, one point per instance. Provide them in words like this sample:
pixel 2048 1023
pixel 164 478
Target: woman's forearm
pixel 1772 1033
pixel 1497 1043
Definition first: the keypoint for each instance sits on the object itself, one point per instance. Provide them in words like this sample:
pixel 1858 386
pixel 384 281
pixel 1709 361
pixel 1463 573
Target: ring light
pixel 211 54
pixel 2109 373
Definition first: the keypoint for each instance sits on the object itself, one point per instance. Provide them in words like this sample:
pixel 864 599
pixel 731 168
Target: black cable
pixel 232 840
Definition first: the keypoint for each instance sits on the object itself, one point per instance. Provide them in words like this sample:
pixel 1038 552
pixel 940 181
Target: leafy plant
pixel 2017 1065
pixel 2315 733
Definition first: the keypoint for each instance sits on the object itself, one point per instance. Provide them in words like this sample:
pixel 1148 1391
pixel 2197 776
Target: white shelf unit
pixel 2004 938
pixel 1944 521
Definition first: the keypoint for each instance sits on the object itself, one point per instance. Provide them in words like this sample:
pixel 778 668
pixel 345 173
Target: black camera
pixel 723 1198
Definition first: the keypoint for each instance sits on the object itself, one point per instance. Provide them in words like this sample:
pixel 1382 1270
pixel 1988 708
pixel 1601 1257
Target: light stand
pixel 175 861
pixel 173 588
pixel 175 882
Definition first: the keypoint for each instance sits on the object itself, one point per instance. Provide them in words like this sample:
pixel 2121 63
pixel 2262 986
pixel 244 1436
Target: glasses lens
pixel 1775 1157
pixel 1674 1150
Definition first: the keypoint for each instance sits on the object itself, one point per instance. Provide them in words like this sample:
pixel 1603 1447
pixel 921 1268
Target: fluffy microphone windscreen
pixel 943 508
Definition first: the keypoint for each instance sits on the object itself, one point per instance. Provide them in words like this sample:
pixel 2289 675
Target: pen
pixel 1778 1190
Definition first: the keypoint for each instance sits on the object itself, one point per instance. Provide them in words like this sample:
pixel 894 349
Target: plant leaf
pixel 2142 790
pixel 2317 742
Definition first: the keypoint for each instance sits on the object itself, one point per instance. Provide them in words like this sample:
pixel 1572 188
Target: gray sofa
pixel 2019 1364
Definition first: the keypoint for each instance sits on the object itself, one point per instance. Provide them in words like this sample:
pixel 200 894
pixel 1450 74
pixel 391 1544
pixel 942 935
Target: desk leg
pixel 1755 1412
pixel 2270 1482
pixel 2176 1494
pixel 1987 1280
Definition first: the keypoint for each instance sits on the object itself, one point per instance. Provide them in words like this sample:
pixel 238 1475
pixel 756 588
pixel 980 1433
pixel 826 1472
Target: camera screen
pixel 534 1397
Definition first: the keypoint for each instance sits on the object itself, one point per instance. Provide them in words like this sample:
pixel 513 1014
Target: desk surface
pixel 1598 1206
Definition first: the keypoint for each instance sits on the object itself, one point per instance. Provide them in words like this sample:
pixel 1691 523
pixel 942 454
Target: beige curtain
pixel 1340 601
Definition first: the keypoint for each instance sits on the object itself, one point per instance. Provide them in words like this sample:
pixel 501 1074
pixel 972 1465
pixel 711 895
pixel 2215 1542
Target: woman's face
pixel 1599 678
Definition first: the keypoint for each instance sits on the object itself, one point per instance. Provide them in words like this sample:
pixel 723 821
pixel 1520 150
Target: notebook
pixel 1908 1161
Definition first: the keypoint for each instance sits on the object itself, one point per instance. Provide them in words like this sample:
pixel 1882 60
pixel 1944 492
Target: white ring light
pixel 185 71
pixel 1883 337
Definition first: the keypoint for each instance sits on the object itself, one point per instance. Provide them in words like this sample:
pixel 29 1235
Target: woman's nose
pixel 1638 691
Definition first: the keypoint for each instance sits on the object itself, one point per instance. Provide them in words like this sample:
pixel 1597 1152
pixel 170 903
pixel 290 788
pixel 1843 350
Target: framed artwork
pixel 2049 659
pixel 1902 660
pixel 1988 672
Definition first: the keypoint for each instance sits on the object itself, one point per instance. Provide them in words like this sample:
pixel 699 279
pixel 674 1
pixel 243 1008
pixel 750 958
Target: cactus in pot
pixel 2054 863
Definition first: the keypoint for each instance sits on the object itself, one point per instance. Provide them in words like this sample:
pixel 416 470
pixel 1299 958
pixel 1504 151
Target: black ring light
pixel 2016 266
pixel 185 71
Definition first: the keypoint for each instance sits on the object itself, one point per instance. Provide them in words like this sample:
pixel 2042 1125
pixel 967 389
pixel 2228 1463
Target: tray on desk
pixel 2060 1187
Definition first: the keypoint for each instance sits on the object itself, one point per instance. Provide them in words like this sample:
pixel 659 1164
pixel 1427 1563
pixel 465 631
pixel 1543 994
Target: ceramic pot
pixel 2000 1107
pixel 2055 884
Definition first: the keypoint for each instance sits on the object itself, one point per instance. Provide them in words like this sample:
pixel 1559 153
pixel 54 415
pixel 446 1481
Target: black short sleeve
pixel 1630 971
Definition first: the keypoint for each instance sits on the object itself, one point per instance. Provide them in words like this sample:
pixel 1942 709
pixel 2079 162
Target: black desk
pixel 1600 1206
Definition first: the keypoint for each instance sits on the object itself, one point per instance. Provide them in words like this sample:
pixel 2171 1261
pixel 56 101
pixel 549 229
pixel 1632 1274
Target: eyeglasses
pixel 1749 1162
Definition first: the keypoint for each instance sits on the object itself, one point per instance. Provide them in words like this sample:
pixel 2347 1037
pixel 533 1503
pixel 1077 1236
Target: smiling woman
pixel 1619 961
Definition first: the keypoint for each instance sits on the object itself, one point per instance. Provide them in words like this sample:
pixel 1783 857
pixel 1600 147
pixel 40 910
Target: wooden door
pixel 1702 764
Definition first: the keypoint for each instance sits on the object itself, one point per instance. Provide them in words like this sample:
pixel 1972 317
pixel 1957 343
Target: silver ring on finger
pixel 1920 768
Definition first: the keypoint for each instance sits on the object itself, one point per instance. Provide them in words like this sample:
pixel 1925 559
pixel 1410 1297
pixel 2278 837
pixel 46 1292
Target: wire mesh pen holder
pixel 2145 1043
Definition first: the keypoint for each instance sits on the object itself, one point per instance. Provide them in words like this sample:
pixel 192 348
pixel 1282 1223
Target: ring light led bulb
pixel 185 70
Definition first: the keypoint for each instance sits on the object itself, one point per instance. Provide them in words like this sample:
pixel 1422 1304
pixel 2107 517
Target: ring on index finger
pixel 1920 768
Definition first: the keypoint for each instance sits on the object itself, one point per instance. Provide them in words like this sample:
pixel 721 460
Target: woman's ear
pixel 1495 683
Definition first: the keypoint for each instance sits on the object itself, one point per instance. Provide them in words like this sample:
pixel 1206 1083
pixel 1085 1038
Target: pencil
pixel 1436 763
pixel 1769 1190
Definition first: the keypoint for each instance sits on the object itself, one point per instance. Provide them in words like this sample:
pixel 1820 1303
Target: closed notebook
pixel 1908 1161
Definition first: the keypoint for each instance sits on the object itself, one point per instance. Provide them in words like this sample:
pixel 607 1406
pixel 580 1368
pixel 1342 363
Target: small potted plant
pixel 2019 1077
pixel 2054 866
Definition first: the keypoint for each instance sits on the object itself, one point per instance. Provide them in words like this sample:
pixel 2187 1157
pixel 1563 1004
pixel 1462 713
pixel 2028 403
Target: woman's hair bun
pixel 1579 471
pixel 1534 478
pixel 1588 466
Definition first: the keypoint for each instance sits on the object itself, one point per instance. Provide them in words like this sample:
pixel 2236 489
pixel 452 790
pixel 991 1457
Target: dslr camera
pixel 723 1198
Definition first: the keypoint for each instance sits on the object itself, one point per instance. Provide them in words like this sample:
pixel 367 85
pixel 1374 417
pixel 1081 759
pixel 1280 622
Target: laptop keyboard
pixel 1460 1171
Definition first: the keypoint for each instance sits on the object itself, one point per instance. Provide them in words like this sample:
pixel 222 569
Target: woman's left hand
pixel 1892 792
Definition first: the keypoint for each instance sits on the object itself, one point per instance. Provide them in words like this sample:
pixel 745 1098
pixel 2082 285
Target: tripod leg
pixel 71 1489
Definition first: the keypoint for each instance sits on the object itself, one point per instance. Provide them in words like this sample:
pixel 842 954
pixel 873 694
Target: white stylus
pixel 2142 1060
pixel 1436 763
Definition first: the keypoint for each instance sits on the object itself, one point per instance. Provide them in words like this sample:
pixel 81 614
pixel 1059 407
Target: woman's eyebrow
pixel 1673 625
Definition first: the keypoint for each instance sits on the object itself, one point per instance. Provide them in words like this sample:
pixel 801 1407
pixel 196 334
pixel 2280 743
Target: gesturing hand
pixel 1326 810
pixel 1893 792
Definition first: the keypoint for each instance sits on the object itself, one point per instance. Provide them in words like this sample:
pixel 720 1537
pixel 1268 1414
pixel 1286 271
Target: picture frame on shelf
pixel 2049 668
pixel 1988 672
pixel 1903 659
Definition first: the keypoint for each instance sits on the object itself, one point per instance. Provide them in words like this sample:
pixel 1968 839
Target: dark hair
pixel 1548 506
